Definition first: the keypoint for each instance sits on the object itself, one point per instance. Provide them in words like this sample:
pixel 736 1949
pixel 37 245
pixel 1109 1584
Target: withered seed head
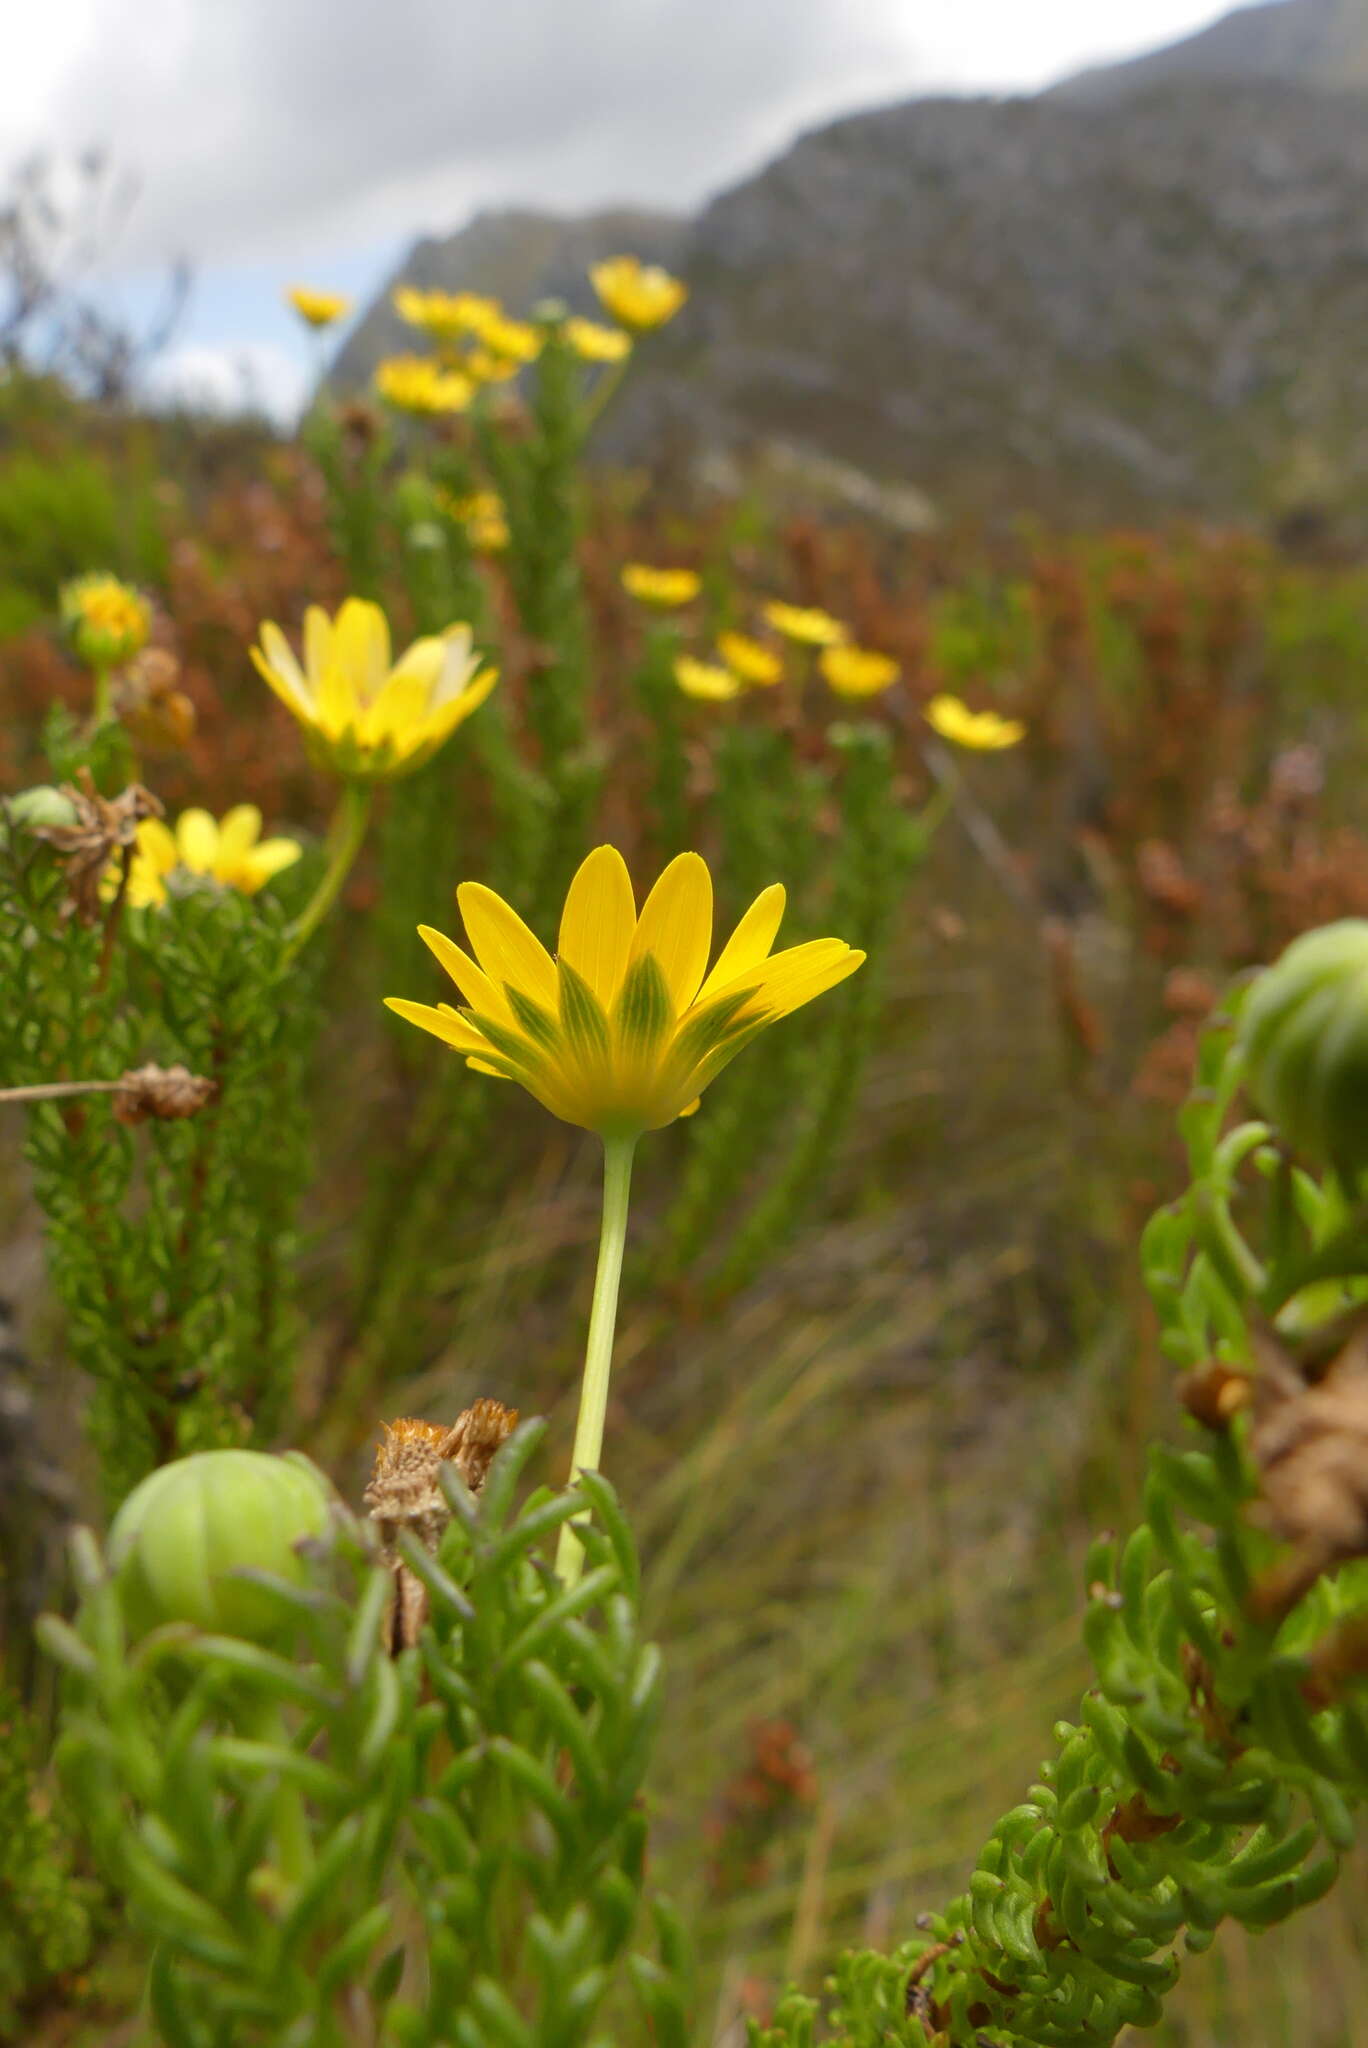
pixel 104 826
pixel 163 1092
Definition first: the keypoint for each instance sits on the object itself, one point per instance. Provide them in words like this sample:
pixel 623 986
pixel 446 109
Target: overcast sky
pixel 276 140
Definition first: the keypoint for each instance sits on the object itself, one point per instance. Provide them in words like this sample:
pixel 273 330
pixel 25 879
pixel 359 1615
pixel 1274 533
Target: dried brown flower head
pixel 150 702
pixel 162 1092
pixel 405 1494
pixel 104 827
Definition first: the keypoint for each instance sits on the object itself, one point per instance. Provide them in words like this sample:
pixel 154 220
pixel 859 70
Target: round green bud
pixel 42 805
pixel 183 1537
pixel 1304 1033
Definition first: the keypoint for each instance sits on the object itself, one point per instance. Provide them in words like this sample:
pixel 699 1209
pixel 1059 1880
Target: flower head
pixel 486 524
pixel 418 384
pixel 486 368
pixel 663 588
pixel 985 731
pixel 858 671
pixel 231 852
pixel 625 1028
pixel 108 621
pixel 362 714
pixel 750 659
pixel 639 295
pixel 706 680
pixel 443 315
pixel 517 340
pixel 812 628
pixel 318 309
pixel 596 344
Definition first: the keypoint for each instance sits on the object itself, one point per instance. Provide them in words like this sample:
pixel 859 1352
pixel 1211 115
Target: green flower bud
pixel 1304 1032
pixel 42 805
pixel 182 1538
pixel 108 621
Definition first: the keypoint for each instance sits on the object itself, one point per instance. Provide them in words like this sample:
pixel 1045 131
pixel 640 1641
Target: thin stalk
pixel 345 836
pixel 598 1353
pixel 102 708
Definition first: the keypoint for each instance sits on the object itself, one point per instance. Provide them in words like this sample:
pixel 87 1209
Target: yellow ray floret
pixel 750 659
pixel 664 588
pixel 318 309
pixel 363 714
pixel 231 852
pixel 638 295
pixel 706 680
pixel 857 671
pixel 985 731
pixel 623 1030
pixel 811 627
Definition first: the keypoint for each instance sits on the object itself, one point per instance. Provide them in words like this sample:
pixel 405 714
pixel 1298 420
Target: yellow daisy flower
pixel 487 368
pixel 984 731
pixel 108 621
pixel 639 295
pixel 362 715
pixel 625 1028
pixel 518 340
pixel 444 315
pixel 231 852
pixel 664 588
pixel 318 309
pixel 706 680
pixel 750 659
pixel 596 344
pixel 858 671
pixel 418 384
pixel 812 627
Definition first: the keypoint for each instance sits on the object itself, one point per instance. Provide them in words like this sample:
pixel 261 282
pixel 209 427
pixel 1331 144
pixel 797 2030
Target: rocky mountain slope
pixel 1303 42
pixel 1098 301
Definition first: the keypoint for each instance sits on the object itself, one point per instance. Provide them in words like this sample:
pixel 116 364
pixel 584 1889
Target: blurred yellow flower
pixel 482 515
pixel 750 659
pixel 985 731
pixel 621 1032
pixel 232 852
pixel 638 295
pixel 362 715
pixel 812 627
pixel 443 315
pixel 858 671
pixel 487 368
pixel 706 681
pixel 664 588
pixel 596 344
pixel 108 621
pixel 318 309
pixel 418 384
pixel 518 340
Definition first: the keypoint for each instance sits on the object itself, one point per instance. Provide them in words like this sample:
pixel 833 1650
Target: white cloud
pixel 251 377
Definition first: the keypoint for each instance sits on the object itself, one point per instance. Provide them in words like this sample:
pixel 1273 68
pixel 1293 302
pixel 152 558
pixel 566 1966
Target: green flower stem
pixel 102 708
pixel 260 1720
pixel 605 391
pixel 345 837
pixel 598 1353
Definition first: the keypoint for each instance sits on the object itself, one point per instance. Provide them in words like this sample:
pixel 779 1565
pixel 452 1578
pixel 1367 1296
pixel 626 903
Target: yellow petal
pixel 480 992
pixel 239 832
pixel 361 646
pixel 504 946
pixel 807 972
pixel 676 925
pixel 277 666
pixel 318 635
pixel 750 942
pixel 444 1024
pixel 270 858
pixel 157 847
pixel 197 841
pixel 598 922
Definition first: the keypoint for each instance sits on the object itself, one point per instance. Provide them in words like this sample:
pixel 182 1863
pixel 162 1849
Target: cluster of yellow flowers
pixel 743 662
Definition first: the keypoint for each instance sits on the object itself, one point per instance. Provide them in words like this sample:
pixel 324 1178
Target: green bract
pixel 183 1537
pixel 1304 1033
